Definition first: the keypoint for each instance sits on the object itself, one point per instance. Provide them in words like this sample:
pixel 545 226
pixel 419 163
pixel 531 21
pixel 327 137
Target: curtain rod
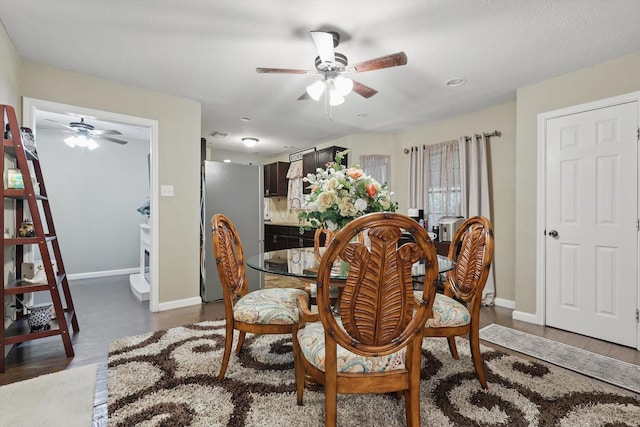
pixel 468 138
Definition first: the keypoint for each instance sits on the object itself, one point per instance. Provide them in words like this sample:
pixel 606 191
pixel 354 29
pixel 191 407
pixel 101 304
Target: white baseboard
pixel 506 303
pixel 106 273
pixel 526 317
pixel 179 303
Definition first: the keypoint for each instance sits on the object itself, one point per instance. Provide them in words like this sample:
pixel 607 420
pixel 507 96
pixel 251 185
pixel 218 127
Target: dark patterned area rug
pixel 168 378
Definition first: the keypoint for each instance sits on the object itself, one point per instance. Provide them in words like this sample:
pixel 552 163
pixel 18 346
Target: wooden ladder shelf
pixel 27 202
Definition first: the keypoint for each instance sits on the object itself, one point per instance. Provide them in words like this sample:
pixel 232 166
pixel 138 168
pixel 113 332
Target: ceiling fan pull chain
pixel 327 104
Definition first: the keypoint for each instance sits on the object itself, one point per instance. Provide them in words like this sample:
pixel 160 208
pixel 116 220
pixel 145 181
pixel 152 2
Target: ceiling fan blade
pixel 305 96
pixel 108 138
pixel 393 60
pixel 324 45
pixel 61 124
pixel 284 71
pixel 362 90
pixel 105 132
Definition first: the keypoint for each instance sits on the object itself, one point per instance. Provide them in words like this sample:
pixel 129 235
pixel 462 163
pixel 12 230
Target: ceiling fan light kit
pixel 316 90
pixel 81 141
pixel 332 65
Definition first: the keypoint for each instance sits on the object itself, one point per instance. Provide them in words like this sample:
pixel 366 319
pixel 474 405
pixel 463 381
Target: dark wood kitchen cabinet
pixel 285 237
pixel 319 159
pixel 275 179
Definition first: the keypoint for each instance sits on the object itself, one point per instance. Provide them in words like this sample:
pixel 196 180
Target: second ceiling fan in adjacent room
pixel 85 134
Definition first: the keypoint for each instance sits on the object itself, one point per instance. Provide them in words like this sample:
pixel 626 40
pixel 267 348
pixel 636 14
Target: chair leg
pixel 240 341
pixel 452 347
pixel 228 343
pixel 412 407
pixel 298 366
pixel 474 343
pixel 330 404
pixel 412 393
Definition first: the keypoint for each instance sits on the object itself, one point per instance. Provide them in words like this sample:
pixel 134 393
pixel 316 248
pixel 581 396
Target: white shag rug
pixel 63 399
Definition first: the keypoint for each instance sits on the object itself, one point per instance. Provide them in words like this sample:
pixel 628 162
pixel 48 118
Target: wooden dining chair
pixel 264 311
pixel 322 238
pixel 375 345
pixel 457 311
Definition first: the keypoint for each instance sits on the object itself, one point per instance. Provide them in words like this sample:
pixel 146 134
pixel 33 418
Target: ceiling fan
pixel 85 131
pixel 332 65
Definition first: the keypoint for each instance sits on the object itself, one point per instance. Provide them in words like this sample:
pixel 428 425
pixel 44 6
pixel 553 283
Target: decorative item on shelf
pixel 7 132
pixel 14 179
pixel 28 139
pixel 26 229
pixel 340 194
pixel 39 317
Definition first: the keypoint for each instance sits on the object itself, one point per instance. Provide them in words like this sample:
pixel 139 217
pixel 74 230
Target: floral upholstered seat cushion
pixel 311 340
pixel 269 306
pixel 447 312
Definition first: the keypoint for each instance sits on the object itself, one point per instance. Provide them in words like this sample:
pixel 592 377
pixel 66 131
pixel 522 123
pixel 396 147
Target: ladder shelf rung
pixel 28 240
pixel 21 286
pixel 21 194
pixel 19 330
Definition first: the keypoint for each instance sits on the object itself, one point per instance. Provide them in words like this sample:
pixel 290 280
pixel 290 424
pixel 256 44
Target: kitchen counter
pixel 283 223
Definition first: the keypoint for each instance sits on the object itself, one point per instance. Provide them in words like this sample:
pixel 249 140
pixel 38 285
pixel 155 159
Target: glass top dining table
pixel 302 263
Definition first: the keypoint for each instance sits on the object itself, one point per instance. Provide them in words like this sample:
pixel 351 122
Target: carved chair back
pixel 378 313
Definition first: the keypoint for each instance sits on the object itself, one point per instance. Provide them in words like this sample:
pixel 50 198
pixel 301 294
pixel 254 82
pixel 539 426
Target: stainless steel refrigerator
pixel 237 192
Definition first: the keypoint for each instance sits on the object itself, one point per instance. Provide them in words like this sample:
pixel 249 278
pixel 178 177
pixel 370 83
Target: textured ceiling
pixel 208 51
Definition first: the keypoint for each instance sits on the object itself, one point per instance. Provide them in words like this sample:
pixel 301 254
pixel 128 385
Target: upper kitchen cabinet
pixel 319 158
pixel 275 179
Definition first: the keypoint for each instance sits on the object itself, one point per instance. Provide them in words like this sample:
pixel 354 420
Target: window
pixel 377 166
pixel 436 181
pixel 444 181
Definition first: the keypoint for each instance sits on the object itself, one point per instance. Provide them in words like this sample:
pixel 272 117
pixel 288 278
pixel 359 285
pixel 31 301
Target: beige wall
pixel 9 73
pixel 604 80
pixel 178 160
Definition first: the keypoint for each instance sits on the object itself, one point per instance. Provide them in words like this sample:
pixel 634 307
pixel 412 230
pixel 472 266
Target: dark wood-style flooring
pixel 107 310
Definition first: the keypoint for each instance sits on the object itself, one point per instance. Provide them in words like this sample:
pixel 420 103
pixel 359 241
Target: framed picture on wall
pixel 14 178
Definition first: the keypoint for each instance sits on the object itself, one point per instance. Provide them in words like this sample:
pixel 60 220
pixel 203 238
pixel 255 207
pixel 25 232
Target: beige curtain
pixel 295 197
pixel 475 191
pixel 417 186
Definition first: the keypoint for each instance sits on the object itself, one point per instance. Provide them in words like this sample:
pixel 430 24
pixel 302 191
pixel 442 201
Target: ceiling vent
pixel 217 134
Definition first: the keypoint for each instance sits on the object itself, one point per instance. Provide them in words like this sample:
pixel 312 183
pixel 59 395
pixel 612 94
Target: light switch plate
pixel 166 190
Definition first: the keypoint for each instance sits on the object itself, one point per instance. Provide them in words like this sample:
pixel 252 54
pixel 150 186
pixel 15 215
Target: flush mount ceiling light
pixel 81 141
pixel 250 142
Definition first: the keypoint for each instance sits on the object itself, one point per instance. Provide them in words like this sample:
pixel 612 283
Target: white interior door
pixel 591 242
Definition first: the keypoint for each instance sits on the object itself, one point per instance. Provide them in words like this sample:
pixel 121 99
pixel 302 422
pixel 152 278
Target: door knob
pixel 553 233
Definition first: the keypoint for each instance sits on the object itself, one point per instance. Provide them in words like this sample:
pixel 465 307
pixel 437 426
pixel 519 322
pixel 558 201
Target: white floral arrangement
pixel 339 194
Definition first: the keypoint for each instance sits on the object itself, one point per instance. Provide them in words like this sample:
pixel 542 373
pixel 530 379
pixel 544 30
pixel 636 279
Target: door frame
pixel 30 106
pixel 540 315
